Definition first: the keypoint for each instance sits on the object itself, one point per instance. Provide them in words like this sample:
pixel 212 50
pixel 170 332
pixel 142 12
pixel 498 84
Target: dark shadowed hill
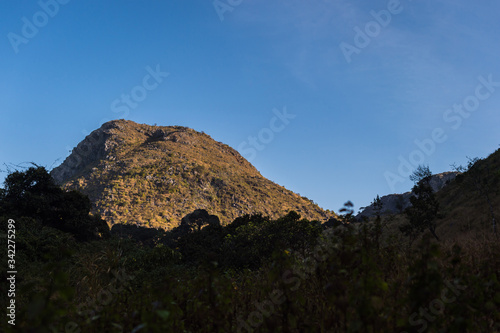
pixel 154 175
pixel 472 201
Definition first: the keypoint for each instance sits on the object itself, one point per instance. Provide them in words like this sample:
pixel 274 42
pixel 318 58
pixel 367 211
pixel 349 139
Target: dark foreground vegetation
pixel 254 274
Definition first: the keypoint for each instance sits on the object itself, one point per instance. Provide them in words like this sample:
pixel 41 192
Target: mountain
pixel 154 175
pixel 397 203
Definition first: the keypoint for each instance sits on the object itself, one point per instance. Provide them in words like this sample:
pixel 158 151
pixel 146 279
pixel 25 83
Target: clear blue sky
pixel 364 80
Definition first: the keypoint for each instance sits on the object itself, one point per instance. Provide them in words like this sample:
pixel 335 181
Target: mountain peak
pixel 155 175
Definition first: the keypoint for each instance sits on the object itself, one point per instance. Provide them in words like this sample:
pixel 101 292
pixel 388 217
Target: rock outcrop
pixel 93 148
pixel 397 203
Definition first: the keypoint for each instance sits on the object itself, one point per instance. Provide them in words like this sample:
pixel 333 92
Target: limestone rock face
pixel 397 203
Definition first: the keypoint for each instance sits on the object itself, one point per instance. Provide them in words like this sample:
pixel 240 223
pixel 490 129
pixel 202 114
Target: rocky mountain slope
pixel 153 176
pixel 397 203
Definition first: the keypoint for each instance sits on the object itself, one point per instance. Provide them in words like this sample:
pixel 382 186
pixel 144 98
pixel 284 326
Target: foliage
pixel 341 281
pixel 348 212
pixel 245 243
pixel 422 172
pixel 32 193
pixel 424 207
pixel 378 206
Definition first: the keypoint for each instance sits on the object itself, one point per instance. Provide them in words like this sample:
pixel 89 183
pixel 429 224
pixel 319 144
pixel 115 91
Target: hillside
pixel 469 202
pixel 154 175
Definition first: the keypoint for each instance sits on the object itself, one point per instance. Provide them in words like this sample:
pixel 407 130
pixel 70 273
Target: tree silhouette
pixel 347 212
pixel 378 206
pixel 33 193
pixel 424 207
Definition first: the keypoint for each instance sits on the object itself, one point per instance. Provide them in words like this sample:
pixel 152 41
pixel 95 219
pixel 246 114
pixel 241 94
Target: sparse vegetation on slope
pixel 153 176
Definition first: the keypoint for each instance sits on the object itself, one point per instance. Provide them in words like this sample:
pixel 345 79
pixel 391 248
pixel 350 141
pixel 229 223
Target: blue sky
pixel 360 81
